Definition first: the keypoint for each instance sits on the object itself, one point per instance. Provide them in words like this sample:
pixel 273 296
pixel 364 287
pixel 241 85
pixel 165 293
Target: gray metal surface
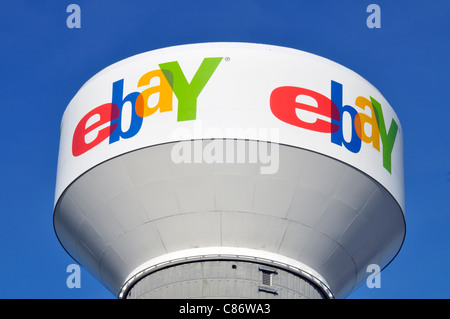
pixel 223 279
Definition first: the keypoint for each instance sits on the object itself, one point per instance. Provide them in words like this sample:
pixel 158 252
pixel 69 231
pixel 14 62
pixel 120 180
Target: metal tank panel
pixel 229 279
pixel 124 209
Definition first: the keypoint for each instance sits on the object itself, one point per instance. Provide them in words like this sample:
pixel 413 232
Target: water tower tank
pixel 230 170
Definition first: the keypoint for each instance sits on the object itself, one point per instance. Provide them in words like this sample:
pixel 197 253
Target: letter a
pixel 374 279
pixel 373 20
pixel 74 279
pixel 74 20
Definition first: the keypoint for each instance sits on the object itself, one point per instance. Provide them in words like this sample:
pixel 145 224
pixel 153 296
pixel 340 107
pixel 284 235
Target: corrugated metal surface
pixel 222 279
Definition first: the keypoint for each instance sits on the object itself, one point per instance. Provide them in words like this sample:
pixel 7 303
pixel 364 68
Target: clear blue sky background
pixel 43 63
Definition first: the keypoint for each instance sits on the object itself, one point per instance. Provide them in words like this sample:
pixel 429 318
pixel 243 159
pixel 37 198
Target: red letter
pixel 283 105
pixel 107 112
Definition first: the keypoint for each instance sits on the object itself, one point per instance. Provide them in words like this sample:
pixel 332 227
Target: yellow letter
pixel 361 119
pixel 165 94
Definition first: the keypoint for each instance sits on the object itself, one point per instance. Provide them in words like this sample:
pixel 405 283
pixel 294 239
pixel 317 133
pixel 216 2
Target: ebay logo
pixel 288 102
pixel 307 109
pixel 106 120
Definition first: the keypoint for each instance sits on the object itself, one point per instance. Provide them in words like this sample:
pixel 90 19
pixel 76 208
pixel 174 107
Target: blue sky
pixel 43 63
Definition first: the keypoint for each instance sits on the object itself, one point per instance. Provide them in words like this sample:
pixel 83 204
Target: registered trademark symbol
pixel 227 59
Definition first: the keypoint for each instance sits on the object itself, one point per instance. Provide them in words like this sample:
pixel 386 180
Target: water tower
pixel 230 170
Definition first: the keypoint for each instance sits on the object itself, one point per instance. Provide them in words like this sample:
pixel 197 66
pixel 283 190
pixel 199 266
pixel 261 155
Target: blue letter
pixel 338 137
pixel 136 121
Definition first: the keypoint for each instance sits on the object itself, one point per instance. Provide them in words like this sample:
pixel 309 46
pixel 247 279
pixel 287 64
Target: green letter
pixel 387 139
pixel 187 93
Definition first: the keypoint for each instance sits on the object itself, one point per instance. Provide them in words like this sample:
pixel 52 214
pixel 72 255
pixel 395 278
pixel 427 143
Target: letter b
pixel 135 120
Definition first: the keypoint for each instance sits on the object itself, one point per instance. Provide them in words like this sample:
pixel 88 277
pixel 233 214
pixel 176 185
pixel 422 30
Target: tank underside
pixel 315 216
